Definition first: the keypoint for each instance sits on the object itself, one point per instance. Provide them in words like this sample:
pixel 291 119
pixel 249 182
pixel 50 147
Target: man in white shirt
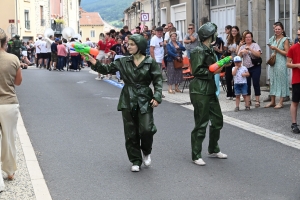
pixel 49 41
pixel 157 46
pixel 44 52
pixel 167 35
pixel 38 50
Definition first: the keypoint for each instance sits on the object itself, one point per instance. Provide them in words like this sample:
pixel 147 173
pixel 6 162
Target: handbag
pixel 256 61
pixel 272 58
pixel 178 63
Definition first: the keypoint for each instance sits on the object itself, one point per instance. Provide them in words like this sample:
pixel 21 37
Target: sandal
pixel 171 92
pixel 247 108
pixel 270 105
pixel 278 106
pixel 177 90
pixel 257 104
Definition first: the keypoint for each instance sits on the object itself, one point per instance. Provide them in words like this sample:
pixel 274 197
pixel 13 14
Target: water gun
pixel 214 67
pixel 10 42
pixel 84 50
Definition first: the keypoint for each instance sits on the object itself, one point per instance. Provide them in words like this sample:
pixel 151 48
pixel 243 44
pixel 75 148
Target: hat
pixel 56 39
pixel 159 28
pixel 40 36
pixel 237 59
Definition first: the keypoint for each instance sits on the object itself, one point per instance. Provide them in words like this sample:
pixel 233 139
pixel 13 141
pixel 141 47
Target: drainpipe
pixel 299 11
pixel 193 12
pixel 153 13
pixel 17 17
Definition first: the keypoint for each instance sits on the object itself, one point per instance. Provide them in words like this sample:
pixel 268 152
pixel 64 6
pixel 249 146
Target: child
pixel 239 74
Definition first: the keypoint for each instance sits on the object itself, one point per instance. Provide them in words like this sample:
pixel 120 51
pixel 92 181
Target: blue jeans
pixel 60 63
pixel 188 53
pixel 75 61
pixel 217 81
pixel 254 72
pixel 240 89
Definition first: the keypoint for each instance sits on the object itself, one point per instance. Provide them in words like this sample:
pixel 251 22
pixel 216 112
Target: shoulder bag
pixel 272 59
pixel 178 63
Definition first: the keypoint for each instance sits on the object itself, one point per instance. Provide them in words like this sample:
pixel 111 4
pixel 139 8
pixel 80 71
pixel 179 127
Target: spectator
pixel 118 49
pixel 126 32
pixel 37 45
pixel 44 53
pixel 89 43
pixel 228 31
pixel 247 51
pixel 293 62
pixel 240 73
pixel 10 75
pixel 61 54
pixel 191 40
pixel 146 36
pixel 101 55
pixel 49 42
pixel 279 84
pixel 167 35
pixel 174 76
pixel 146 30
pixel 218 47
pixel 137 99
pixel 157 46
pixel 231 47
pixel 54 53
pixel 137 30
pixel 74 57
pixel 109 42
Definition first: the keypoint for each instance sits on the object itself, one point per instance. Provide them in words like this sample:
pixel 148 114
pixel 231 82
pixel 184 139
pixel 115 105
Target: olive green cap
pixel 207 30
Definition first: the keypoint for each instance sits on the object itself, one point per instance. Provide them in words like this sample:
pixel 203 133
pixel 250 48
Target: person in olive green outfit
pixel 16 48
pixel 203 96
pixel 137 99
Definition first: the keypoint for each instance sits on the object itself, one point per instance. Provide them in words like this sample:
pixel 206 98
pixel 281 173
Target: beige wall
pixel 86 32
pixel 29 32
pixel 7 12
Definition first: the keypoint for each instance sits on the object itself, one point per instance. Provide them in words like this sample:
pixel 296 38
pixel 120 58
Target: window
pixel 92 34
pixel 27 22
pixel 42 16
pixel 221 2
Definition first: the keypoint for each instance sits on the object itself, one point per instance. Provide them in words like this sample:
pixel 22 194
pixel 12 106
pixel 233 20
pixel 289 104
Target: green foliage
pixel 110 10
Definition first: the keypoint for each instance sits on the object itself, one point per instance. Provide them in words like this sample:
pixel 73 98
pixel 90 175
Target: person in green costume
pixel 16 47
pixel 137 99
pixel 203 96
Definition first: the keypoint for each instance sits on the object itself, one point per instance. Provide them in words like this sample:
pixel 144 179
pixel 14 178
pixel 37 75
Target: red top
pixel 109 44
pixel 61 50
pixel 101 45
pixel 294 54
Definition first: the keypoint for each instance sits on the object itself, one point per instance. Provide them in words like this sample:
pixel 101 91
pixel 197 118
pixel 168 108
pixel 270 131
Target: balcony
pixel 57 28
pixel 27 25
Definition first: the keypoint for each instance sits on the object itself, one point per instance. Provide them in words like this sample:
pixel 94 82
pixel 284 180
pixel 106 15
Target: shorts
pixel 24 53
pixel 101 55
pixel 43 55
pixel 296 92
pixel 240 89
pixel 53 57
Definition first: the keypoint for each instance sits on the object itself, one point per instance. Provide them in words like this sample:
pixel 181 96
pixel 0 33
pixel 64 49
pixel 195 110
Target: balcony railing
pixel 27 25
pixel 57 28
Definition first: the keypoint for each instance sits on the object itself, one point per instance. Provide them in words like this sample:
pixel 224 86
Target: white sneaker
pixel 218 155
pixel 98 78
pixel 242 99
pixel 233 98
pixel 135 168
pixel 199 162
pixel 228 98
pixel 147 160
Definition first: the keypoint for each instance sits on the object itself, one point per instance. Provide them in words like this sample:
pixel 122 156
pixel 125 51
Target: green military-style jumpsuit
pixel 135 100
pixel 205 102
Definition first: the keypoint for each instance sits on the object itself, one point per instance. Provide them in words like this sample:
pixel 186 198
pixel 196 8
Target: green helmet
pixel 140 42
pixel 17 36
pixel 206 30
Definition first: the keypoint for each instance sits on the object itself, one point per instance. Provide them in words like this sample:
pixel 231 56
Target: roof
pixel 90 18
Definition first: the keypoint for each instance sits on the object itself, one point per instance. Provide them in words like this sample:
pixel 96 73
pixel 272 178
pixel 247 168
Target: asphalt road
pixel 77 133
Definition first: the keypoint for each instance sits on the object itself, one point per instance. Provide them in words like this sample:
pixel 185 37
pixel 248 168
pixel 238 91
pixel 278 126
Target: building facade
pixel 29 18
pixel 258 16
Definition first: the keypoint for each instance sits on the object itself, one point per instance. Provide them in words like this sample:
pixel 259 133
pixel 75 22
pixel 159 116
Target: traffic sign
pixel 144 17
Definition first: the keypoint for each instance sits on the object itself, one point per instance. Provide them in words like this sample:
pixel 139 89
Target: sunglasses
pixel 190 28
pixel 298 34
